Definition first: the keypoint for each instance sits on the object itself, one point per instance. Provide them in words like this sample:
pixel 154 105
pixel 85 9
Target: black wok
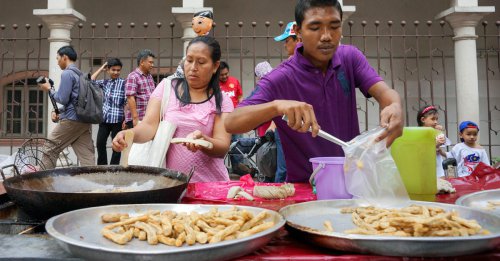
pixel 48 193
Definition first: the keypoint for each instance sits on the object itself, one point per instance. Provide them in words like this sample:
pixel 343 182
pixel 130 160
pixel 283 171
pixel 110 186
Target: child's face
pixel 114 71
pixel 469 135
pixel 430 120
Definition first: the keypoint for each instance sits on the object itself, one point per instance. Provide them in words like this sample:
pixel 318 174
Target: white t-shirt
pixel 467 158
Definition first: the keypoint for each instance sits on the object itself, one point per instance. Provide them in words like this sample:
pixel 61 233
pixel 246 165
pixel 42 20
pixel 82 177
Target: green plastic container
pixel 415 157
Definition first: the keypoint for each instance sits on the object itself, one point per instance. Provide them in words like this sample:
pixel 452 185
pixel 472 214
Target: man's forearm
pixel 247 118
pixel 132 106
pixel 389 97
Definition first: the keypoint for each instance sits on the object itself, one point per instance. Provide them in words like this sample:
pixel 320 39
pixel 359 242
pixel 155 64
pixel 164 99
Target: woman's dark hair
pixel 114 62
pixel 213 85
pixel 304 5
pixel 424 112
pixel 68 51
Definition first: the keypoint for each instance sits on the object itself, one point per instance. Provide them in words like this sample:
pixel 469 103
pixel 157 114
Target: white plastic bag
pixel 152 153
pixel 370 172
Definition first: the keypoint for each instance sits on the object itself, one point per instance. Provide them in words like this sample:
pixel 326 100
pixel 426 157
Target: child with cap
pixel 468 153
pixel 428 116
pixel 290 38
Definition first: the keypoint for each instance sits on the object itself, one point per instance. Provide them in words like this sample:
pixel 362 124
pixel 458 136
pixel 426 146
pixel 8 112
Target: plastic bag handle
pixel 316 170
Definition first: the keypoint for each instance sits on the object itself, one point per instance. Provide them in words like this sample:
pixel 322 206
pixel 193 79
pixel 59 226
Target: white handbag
pixel 153 153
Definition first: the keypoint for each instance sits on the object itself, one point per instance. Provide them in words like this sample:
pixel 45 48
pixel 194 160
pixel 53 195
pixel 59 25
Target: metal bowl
pixel 479 200
pixel 305 220
pixel 78 232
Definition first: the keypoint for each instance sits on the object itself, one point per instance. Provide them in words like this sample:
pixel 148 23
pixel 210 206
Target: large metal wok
pixel 48 193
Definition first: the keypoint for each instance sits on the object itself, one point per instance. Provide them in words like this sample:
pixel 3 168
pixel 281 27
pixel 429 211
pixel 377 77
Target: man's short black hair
pixel 68 51
pixel 223 65
pixel 144 54
pixel 304 5
pixel 114 62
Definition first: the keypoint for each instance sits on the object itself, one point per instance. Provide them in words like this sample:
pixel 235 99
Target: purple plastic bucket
pixel 328 175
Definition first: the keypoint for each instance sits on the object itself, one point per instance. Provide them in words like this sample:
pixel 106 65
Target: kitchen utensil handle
pixel 325 135
pixel 331 138
pixel 190 174
pixel 316 170
pixel 16 170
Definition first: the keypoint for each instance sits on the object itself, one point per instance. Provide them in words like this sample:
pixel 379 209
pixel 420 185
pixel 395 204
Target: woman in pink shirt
pixel 198 108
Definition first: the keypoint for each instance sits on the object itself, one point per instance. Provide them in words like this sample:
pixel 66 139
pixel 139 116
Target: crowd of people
pixel 315 88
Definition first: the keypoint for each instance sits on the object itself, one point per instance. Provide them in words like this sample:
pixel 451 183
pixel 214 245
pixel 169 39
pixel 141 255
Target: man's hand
pixel 135 121
pixel 45 86
pixel 54 116
pixel 300 115
pixel 391 117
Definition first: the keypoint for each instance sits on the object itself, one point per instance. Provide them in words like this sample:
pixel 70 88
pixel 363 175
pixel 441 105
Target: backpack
pixel 89 103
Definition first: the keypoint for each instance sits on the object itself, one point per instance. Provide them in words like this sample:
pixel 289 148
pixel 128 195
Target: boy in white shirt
pixel 468 153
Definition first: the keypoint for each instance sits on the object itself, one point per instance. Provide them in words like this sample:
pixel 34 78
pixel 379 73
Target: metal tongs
pixel 326 136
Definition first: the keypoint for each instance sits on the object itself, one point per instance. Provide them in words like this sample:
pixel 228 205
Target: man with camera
pixel 70 131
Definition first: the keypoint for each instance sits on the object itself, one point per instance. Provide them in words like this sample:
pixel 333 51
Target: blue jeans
pixel 235 159
pixel 280 175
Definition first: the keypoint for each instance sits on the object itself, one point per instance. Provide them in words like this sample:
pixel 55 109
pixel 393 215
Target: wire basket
pixel 32 156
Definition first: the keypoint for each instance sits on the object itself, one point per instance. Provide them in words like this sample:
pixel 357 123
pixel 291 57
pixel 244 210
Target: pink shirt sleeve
pixel 158 92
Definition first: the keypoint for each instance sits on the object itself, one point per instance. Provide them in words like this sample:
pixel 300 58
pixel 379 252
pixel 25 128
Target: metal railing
pixel 415 58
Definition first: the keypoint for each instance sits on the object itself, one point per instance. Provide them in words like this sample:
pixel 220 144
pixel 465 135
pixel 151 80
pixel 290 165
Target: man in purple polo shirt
pixel 138 88
pixel 316 87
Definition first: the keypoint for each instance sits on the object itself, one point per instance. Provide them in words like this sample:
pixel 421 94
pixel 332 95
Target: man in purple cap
pixel 316 86
pixel 290 38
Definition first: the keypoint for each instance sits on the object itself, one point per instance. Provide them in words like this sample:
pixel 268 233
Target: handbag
pixel 153 153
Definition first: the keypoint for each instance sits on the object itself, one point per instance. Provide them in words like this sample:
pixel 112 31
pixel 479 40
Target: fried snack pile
pixel 412 221
pixel 492 205
pixel 175 229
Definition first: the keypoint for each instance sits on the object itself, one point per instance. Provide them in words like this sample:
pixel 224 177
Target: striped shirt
pixel 140 86
pixel 114 99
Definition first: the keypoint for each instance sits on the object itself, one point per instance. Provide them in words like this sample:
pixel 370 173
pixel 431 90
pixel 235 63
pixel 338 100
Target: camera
pixel 41 80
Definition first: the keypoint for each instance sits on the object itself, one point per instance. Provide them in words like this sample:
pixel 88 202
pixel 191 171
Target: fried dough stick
pixel 113 217
pixel 252 222
pixel 150 232
pixel 224 233
pixel 256 229
pixel 120 239
pixel 127 222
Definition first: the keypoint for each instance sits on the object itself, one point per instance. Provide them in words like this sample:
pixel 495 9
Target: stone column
pixel 59 17
pixel 347 10
pixel 184 15
pixel 463 17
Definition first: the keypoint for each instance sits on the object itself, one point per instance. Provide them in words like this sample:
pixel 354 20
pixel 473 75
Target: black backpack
pixel 89 103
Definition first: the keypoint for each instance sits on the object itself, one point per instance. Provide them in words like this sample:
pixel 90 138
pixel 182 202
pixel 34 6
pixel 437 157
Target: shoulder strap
pixel 166 95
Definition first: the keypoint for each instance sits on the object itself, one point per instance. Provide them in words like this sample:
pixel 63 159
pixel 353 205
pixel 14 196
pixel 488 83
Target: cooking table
pixel 282 247
pixel 285 247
